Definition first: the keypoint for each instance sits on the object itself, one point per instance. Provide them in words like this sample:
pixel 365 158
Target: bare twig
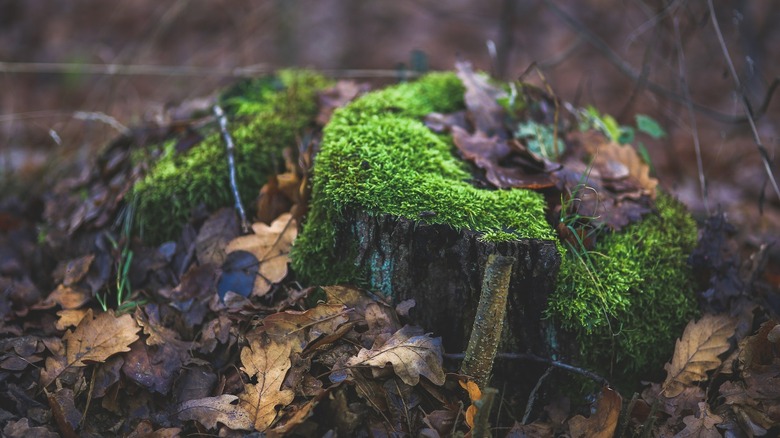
pixel 748 109
pixel 230 148
pixel 168 70
pixel 532 357
pixel 628 71
pixel 691 114
pixel 529 406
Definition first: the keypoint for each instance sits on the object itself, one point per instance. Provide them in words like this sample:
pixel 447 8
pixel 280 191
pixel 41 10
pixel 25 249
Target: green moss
pixel 269 115
pixel 377 156
pixel 640 296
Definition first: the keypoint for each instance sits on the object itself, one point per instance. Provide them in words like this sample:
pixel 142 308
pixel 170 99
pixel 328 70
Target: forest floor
pixel 149 369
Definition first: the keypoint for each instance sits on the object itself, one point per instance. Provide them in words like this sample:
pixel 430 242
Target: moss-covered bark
pixel 268 115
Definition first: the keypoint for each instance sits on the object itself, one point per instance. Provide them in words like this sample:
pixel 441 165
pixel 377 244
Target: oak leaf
pixel 603 422
pixel 209 411
pixel 702 424
pixel 696 353
pixel 271 246
pixel 96 339
pixel 305 326
pixel 266 361
pixel 411 353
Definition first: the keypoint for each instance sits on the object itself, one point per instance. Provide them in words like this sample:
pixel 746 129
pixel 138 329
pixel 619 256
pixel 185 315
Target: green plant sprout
pixel 123 287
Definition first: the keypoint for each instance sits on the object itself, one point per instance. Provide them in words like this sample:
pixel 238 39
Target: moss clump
pixel 378 156
pixel 638 299
pixel 270 115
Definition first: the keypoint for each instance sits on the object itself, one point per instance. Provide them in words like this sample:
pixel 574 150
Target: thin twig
pixel 681 64
pixel 748 109
pixel 532 357
pixel 230 148
pixel 529 406
pixel 169 70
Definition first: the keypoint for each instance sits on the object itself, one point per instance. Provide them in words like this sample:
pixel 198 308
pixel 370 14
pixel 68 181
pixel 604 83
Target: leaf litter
pixel 197 354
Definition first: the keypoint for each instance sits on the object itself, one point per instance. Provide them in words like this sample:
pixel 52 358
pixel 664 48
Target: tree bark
pixel 442 268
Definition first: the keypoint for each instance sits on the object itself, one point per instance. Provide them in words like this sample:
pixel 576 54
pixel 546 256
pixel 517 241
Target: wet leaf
pixel 701 425
pixel 268 362
pixel 411 353
pixel 64 411
pixel 271 247
pixel 696 353
pixel 603 422
pixel 212 410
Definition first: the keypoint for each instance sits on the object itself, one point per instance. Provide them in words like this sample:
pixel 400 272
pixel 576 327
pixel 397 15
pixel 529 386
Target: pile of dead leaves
pixel 214 336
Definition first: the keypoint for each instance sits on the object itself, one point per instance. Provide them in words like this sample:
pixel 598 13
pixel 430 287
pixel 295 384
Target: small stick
pixel 230 148
pixel 489 320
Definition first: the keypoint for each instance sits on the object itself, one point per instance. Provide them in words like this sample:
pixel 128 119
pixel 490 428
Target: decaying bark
pixel 442 270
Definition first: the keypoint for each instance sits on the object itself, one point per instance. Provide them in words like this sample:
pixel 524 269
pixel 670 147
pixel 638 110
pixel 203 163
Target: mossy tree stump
pixel 442 268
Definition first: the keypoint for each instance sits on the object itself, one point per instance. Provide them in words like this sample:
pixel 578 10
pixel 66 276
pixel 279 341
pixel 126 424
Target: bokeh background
pixel 622 56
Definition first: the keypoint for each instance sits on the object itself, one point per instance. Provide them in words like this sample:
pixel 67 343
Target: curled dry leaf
pixel 696 353
pixel 271 246
pixel 267 361
pixel 411 353
pixel 474 394
pixel 603 422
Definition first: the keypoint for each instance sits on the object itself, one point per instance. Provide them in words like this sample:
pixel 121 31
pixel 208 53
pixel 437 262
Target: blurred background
pixel 60 102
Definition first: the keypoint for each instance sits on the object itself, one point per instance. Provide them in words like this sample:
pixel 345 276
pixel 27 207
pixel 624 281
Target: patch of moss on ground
pixel 378 156
pixel 627 314
pixel 267 115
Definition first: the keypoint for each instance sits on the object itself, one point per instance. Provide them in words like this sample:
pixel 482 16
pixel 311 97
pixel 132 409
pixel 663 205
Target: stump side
pixel 442 268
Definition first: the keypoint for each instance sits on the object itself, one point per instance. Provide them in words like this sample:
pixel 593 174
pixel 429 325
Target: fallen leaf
pixel 603 422
pixel 21 429
pixel 410 352
pixel 69 318
pixel 219 229
pixel 268 362
pixel 68 297
pixel 270 245
pixel 481 99
pixel 305 327
pixel 696 353
pixel 474 395
pixel 76 269
pixel 490 153
pixel 337 96
pixel 701 425
pixel 96 339
pixel 536 429
pixel 64 411
pixel 212 410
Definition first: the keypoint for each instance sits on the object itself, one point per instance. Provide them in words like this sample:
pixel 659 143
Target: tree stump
pixel 442 268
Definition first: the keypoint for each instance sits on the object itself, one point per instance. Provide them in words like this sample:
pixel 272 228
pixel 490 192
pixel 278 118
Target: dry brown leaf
pixel 702 425
pixel 219 229
pixel 76 269
pixel 271 246
pixel 696 353
pixel 474 394
pixel 603 422
pixel 481 99
pixel 68 297
pixel 305 326
pixel 97 339
pixel 411 353
pixel 337 96
pixel 267 361
pixel 212 410
pixel 69 318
